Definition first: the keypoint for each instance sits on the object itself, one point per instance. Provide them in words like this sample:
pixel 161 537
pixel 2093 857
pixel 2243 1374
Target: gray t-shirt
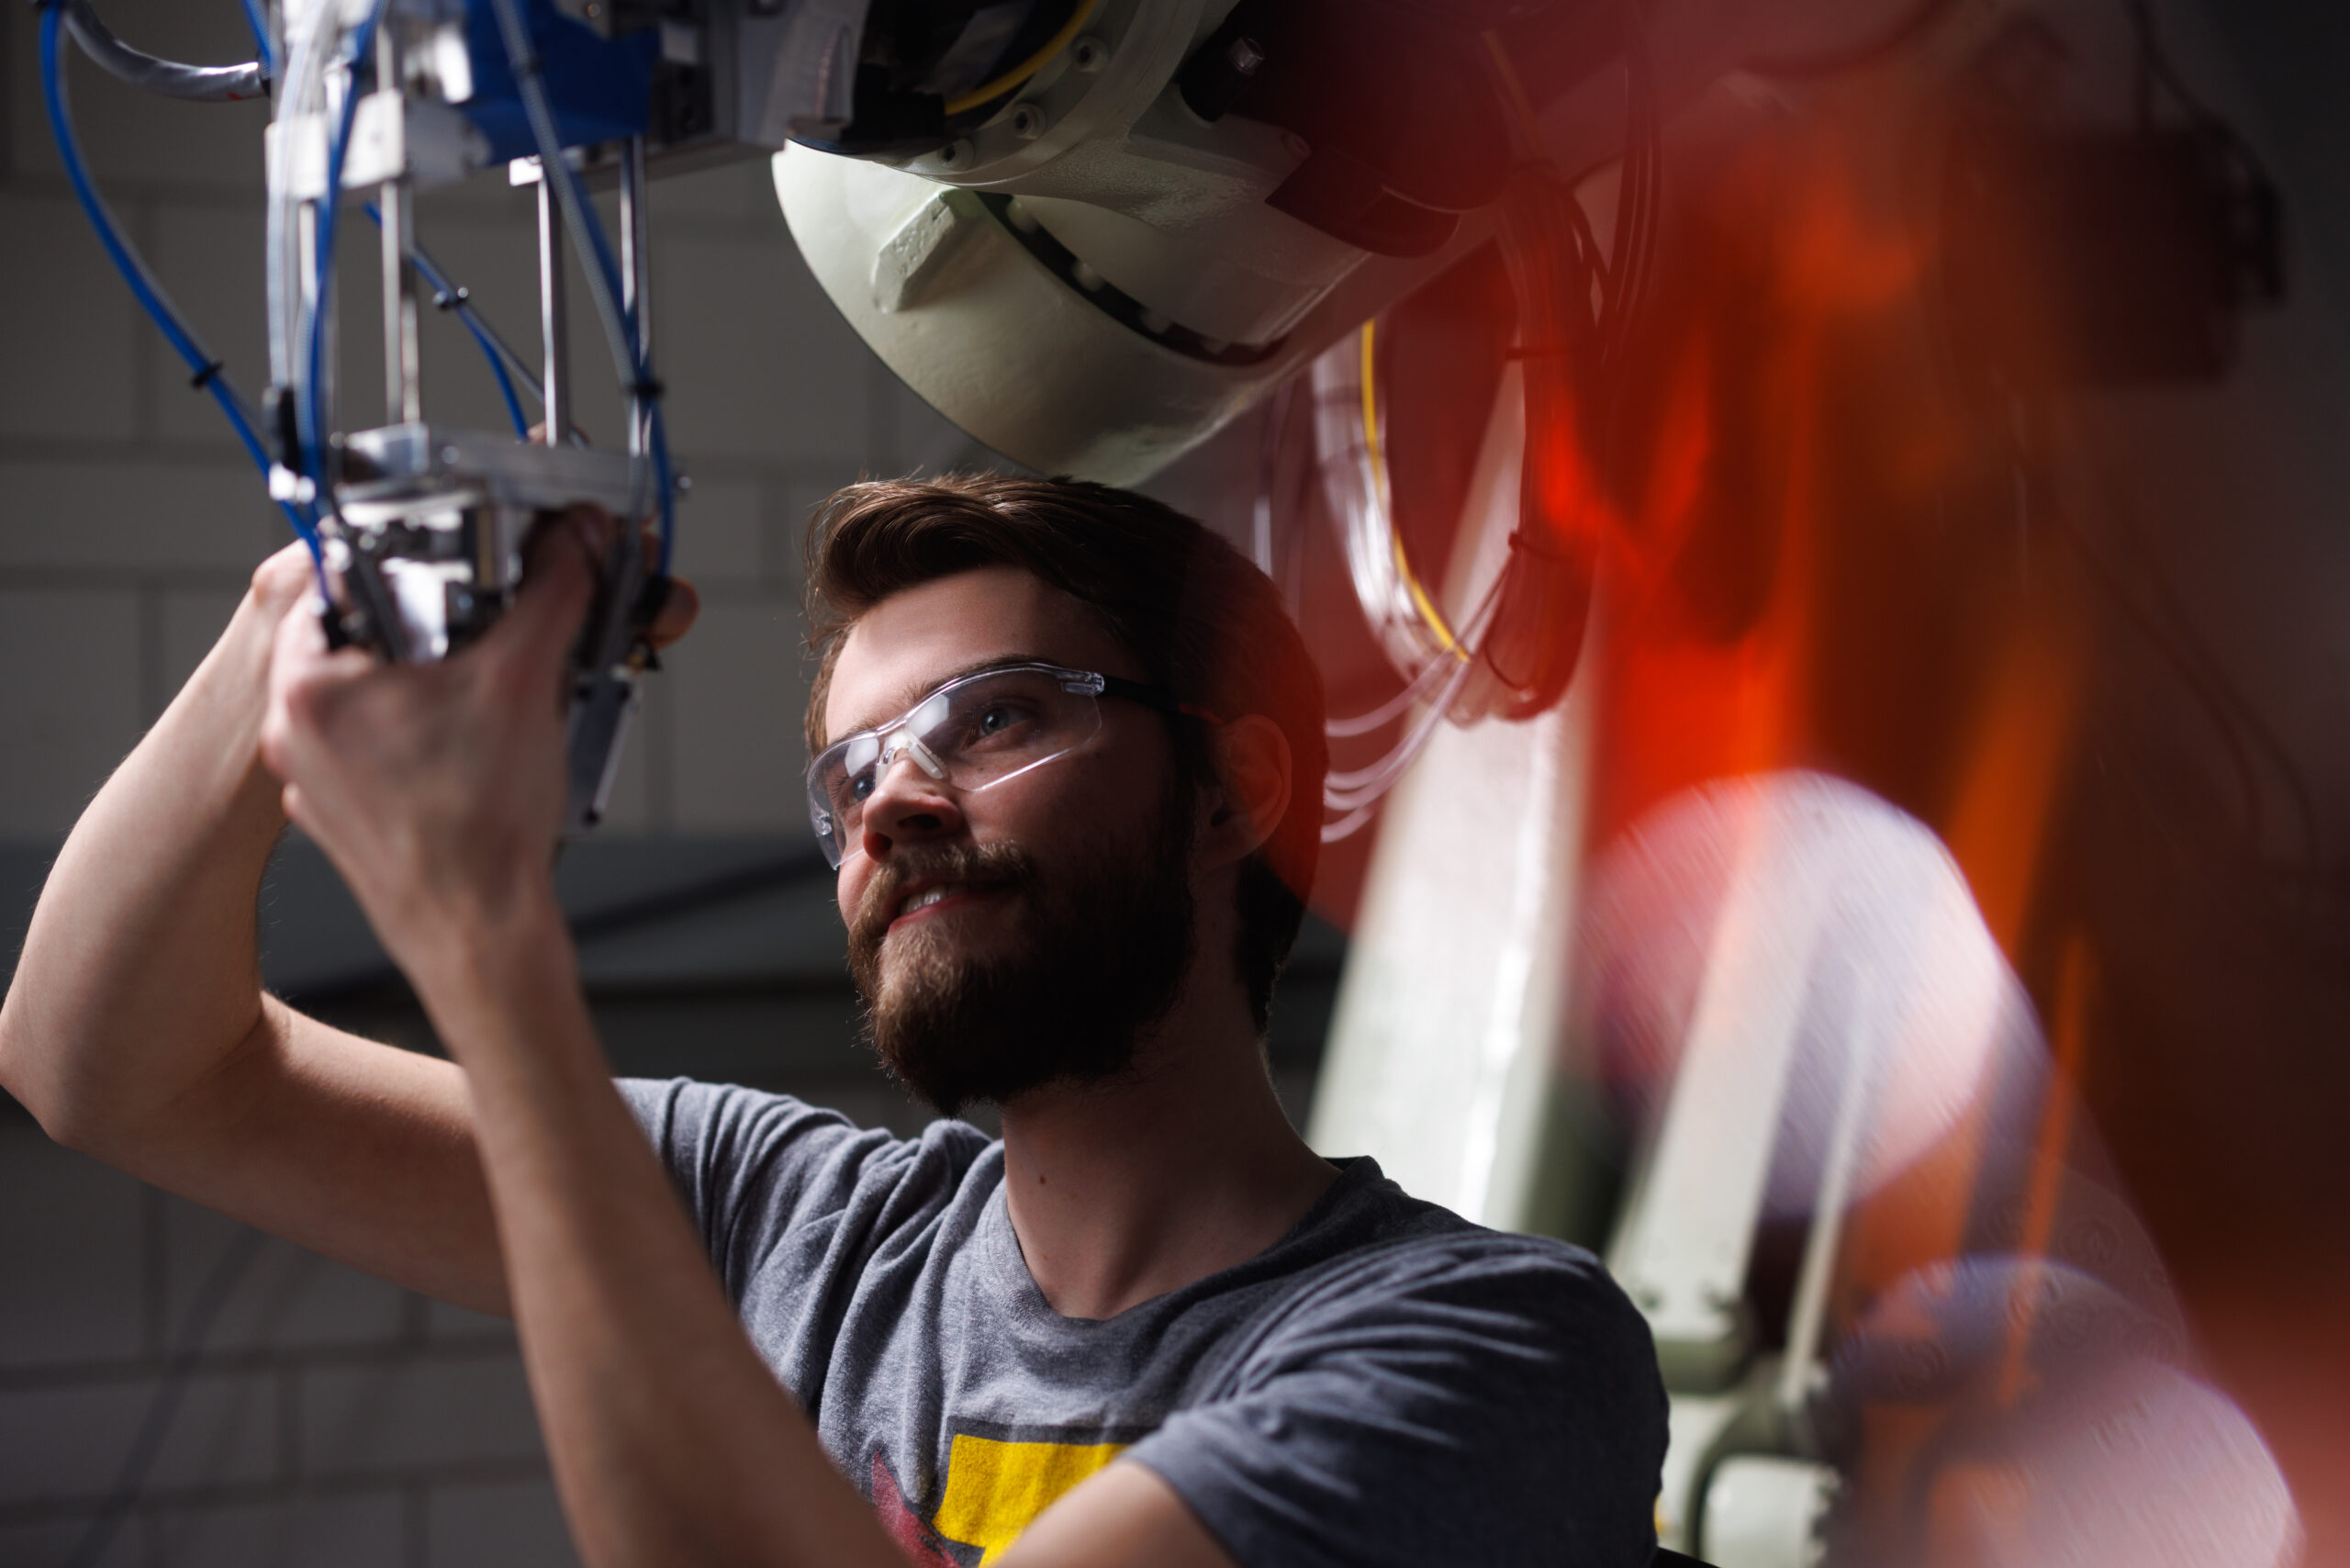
pixel 1387 1383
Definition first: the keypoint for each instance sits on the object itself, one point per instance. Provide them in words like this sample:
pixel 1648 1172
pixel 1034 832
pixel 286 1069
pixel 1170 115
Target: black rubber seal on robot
pixel 1114 302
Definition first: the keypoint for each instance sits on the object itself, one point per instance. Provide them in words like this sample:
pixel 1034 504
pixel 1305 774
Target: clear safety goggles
pixel 972 733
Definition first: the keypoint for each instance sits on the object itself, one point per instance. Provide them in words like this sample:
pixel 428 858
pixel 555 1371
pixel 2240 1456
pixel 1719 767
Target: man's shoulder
pixel 1367 1212
pixel 768 1113
pixel 727 1137
pixel 1382 1251
pixel 1415 1388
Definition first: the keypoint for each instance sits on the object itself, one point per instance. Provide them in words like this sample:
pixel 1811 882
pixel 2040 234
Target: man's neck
pixel 1124 1190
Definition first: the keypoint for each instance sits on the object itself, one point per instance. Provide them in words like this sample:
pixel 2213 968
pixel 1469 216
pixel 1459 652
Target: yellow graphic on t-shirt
pixel 995 1490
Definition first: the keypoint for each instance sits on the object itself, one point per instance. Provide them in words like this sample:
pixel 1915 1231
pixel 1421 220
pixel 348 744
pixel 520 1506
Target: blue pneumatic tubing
pixel 656 434
pixel 143 286
pixel 439 284
pixel 513 31
pixel 258 20
pixel 312 406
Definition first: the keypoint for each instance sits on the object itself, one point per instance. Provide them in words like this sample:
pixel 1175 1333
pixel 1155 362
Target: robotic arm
pixel 1089 231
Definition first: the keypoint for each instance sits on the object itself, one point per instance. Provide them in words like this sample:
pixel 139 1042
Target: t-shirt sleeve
pixel 1473 1408
pixel 752 1167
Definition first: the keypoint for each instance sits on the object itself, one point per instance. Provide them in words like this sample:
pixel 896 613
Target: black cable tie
pixel 204 377
pixel 648 388
pixel 451 299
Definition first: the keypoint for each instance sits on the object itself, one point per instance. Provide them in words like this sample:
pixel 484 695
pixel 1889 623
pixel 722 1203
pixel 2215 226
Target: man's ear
pixel 1251 793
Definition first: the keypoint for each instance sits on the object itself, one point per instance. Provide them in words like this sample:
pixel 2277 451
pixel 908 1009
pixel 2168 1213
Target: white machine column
pixel 1440 1057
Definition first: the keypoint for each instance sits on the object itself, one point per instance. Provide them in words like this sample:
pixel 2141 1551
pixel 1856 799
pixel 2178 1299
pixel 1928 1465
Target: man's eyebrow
pixel 907 697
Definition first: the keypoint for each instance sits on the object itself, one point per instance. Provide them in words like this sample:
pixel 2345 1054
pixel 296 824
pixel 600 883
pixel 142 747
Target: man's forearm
pixel 140 972
pixel 438 791
pixel 671 1440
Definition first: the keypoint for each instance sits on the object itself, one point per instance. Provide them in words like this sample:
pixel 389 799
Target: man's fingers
pixel 560 566
pixel 578 537
pixel 563 560
pixel 680 610
pixel 279 582
pixel 300 651
pixel 680 605
pixel 303 672
pixel 563 564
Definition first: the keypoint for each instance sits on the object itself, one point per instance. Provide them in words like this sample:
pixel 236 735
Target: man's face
pixel 1066 924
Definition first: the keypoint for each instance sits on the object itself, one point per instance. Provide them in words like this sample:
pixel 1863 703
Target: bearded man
pixel 1067 762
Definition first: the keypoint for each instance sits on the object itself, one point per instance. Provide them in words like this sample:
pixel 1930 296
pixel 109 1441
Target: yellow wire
pixel 1429 614
pixel 1028 67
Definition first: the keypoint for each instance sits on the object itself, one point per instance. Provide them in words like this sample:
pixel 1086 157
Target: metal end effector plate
pixel 431 526
pixel 417 467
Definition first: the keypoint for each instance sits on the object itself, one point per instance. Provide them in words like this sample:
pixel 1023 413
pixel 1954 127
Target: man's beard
pixel 1092 957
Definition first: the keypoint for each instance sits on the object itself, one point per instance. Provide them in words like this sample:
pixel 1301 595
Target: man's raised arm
pixel 136 1029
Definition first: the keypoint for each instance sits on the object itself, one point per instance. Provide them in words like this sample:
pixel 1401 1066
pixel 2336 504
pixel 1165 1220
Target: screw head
pixel 1246 56
pixel 956 155
pixel 1027 121
pixel 1089 55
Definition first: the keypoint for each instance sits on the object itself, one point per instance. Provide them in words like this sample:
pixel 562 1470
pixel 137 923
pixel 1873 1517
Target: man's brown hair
pixel 1196 615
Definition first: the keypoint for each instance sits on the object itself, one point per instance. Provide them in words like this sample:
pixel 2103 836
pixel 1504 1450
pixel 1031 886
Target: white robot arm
pixel 1188 201
pixel 1089 231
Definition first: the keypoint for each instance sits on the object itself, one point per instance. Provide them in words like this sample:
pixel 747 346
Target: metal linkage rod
pixel 403 349
pixel 636 286
pixel 555 396
pixel 202 84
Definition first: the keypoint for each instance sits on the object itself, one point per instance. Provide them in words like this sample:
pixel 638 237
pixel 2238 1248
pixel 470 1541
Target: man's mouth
pixel 931 895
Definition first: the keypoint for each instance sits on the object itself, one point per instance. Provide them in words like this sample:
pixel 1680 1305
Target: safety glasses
pixel 971 733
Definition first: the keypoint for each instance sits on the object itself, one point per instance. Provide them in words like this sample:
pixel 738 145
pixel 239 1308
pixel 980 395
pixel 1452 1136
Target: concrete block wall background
pixel 330 1419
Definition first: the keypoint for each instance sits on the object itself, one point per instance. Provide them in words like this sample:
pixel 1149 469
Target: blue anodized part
pixel 599 89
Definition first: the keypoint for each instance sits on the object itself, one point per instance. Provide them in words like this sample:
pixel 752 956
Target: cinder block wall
pixel 330 1419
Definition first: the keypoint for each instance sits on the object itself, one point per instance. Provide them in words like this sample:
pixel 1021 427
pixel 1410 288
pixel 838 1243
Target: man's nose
pixel 909 804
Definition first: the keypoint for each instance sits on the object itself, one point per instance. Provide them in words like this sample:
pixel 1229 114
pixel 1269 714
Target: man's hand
pixel 438 789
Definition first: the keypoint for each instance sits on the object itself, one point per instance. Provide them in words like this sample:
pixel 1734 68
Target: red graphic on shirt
pixel 921 1545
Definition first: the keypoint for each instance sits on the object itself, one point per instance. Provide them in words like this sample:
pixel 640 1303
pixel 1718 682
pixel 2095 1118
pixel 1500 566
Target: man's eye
pixel 859 788
pixel 996 719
